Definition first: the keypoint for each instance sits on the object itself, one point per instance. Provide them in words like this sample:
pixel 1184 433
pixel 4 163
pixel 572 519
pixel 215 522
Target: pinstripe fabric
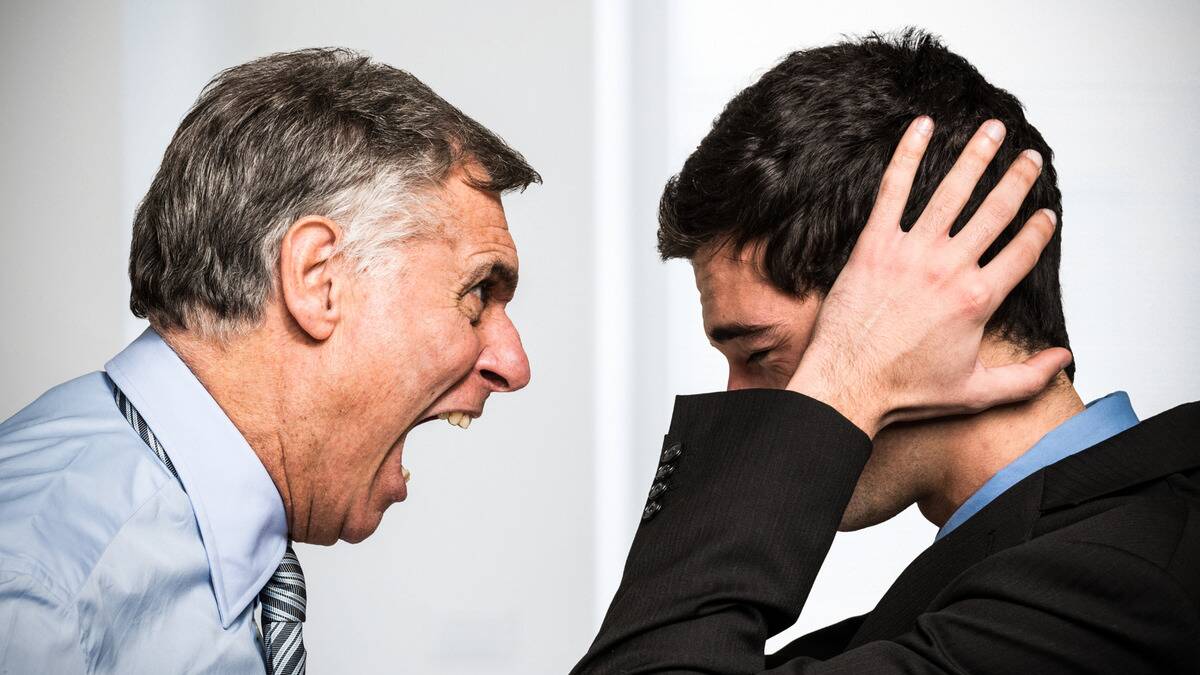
pixel 283 598
pixel 135 420
pixel 283 601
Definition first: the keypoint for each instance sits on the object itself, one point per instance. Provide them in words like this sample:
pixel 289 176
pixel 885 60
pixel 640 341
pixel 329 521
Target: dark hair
pixel 794 162
pixel 317 131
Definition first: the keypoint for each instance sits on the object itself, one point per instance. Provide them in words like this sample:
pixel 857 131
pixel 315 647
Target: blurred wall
pixel 62 259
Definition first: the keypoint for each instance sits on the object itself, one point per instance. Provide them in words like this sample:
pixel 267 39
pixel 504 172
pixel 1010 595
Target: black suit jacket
pixel 1091 565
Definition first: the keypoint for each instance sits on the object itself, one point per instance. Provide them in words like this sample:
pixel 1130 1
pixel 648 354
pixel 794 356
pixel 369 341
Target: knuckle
pixel 976 297
pixel 890 188
pixel 907 155
pixel 979 153
pixel 902 263
pixel 1031 387
pixel 1028 254
pixel 978 236
pixel 974 401
pixel 939 213
pixel 865 253
pixel 939 272
pixel 999 211
pixel 1026 170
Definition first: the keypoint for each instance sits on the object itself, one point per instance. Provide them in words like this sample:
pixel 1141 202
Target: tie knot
pixel 284 597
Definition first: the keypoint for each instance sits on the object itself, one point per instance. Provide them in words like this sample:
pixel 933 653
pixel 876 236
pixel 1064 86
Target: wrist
pixel 847 396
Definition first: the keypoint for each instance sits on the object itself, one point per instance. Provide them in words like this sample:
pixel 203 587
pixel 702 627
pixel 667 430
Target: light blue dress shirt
pixel 107 563
pixel 1101 420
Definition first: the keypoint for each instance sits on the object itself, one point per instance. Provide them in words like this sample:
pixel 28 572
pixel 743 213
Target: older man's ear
pixel 308 281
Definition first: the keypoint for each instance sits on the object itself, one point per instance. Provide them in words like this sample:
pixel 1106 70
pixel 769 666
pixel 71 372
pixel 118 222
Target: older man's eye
pixel 758 356
pixel 479 290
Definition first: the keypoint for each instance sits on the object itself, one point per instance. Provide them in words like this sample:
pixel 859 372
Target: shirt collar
pixel 238 509
pixel 1100 420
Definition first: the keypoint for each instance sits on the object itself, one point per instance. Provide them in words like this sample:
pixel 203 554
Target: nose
pixel 503 363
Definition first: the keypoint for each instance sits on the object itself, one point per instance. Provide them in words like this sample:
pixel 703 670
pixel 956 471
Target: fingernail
pixel 1034 156
pixel 1051 215
pixel 994 130
pixel 924 124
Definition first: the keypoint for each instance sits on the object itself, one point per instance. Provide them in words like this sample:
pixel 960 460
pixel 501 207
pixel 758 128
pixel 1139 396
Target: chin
pixel 863 512
pixel 890 481
pixel 360 526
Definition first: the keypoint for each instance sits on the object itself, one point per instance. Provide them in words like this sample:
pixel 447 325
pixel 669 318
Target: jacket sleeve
pixel 743 510
pixel 755 485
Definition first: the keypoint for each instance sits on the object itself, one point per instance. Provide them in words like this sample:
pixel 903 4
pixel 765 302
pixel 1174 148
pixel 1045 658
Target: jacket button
pixel 664 471
pixel 657 489
pixel 671 453
pixel 651 509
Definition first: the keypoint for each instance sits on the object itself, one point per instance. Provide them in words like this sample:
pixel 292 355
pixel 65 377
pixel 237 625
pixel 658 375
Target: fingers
pixel 1001 205
pixel 898 177
pixel 956 188
pixel 1018 381
pixel 1016 259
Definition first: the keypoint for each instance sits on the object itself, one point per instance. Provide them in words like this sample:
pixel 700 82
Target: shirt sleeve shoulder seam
pixel 115 535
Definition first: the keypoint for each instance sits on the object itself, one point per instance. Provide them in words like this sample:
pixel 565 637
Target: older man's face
pixel 431 339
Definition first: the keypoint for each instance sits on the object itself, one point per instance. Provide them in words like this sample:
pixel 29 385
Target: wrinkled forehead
pixel 473 220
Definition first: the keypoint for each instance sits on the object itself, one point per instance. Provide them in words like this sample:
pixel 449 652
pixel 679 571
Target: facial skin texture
pixel 937 464
pixel 344 365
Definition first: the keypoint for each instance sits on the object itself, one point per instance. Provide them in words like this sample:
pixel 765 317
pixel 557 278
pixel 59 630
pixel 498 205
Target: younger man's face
pixel 762 332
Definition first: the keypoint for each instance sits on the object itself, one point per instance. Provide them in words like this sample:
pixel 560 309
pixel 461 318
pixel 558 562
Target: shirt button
pixel 671 453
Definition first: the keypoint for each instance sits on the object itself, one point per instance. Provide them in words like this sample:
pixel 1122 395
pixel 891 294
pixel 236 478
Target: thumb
pixel 1020 381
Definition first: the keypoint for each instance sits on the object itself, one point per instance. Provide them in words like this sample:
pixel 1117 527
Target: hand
pixel 898 334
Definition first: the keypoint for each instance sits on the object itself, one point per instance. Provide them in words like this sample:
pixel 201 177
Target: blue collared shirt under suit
pixel 1100 421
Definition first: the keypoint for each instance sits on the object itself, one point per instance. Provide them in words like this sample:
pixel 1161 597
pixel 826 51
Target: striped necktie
pixel 283 598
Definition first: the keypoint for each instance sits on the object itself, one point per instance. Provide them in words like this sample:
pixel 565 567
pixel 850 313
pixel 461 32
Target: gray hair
pixel 324 132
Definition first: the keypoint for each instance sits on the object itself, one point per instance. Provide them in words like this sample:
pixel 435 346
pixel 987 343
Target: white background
pixel 508 549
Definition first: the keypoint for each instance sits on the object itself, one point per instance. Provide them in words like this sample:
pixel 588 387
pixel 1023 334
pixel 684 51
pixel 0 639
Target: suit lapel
pixel 1005 522
pixel 1162 445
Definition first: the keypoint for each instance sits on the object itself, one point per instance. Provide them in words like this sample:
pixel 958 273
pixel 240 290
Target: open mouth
pixel 458 418
pixel 461 419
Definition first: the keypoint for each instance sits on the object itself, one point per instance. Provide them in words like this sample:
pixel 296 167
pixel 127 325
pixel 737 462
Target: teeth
pixel 406 473
pixel 459 419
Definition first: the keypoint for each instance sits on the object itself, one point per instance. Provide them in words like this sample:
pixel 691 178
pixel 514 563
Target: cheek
pixel 454 346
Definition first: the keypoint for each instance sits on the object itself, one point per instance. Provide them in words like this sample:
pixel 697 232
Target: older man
pixel 325 263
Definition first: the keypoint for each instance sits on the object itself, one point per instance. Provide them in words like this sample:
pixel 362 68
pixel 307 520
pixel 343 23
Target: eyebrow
pixel 499 271
pixel 735 330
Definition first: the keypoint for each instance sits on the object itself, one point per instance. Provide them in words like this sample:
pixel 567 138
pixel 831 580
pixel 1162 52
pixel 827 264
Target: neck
pixel 974 448
pixel 244 377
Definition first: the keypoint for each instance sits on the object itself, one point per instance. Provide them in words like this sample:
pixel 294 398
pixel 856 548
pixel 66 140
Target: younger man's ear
pixel 309 287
